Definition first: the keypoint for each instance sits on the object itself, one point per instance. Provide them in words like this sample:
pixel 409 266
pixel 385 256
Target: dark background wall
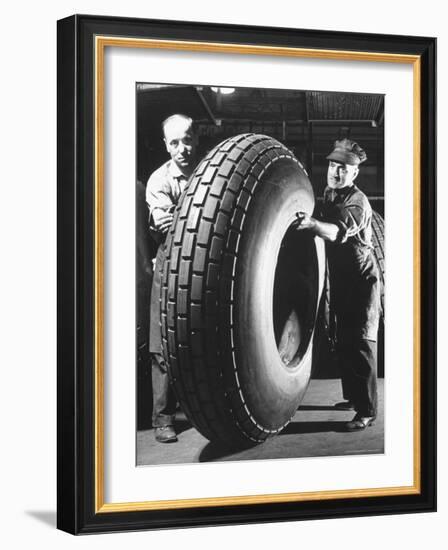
pixel 307 122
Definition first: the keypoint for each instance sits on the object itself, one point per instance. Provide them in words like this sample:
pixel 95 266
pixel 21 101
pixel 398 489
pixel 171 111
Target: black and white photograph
pixel 260 273
pixel 223 278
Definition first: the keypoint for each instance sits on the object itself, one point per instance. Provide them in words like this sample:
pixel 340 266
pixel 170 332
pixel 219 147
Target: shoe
pixel 165 434
pixel 359 423
pixel 344 406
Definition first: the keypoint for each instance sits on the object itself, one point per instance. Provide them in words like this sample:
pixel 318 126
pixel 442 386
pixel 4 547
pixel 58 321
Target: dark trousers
pixel 358 365
pixel 164 400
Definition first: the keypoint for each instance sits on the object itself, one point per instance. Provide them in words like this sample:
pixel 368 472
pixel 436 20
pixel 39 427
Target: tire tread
pixel 198 285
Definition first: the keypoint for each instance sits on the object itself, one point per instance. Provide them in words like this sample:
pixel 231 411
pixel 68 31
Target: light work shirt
pixel 164 188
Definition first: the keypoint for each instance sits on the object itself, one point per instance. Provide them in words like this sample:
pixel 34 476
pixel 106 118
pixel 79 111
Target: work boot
pixel 360 422
pixel 165 434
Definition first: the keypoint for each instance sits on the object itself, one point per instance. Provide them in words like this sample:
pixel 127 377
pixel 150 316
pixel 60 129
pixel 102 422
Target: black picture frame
pixel 77 476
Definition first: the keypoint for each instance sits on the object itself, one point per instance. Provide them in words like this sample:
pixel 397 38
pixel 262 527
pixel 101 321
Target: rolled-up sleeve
pixel 158 194
pixel 351 220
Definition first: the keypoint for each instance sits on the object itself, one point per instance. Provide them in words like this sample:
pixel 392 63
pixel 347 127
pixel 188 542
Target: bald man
pixel 163 190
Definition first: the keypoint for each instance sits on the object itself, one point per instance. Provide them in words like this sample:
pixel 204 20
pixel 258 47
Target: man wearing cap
pixel 346 225
pixel 163 191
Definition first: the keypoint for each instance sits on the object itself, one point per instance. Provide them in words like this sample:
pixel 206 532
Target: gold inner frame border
pixel 100 44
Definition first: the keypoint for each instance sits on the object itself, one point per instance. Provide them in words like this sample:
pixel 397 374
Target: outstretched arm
pixel 160 204
pixel 162 218
pixel 325 230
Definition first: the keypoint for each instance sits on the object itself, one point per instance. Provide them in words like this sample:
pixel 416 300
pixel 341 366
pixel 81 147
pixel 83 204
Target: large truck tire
pixel 241 290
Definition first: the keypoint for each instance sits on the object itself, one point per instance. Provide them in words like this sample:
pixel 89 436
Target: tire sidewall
pixel 272 389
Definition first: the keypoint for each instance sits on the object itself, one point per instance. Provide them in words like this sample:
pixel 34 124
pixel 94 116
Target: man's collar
pixel 175 170
pixel 343 191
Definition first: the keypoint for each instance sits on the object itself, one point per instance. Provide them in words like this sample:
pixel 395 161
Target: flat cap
pixel 347 152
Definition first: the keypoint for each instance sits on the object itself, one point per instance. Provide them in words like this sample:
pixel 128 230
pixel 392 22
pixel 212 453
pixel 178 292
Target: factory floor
pixel 317 429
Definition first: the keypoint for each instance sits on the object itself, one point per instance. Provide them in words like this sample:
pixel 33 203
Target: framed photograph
pixel 246 274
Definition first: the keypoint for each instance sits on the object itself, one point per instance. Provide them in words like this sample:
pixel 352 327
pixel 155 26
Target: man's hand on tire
pixel 325 230
pixel 162 219
pixel 304 221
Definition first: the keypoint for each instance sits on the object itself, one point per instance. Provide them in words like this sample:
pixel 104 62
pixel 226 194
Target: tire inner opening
pixel 295 295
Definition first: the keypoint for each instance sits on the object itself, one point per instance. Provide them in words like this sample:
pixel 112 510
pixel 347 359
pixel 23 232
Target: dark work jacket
pixel 353 272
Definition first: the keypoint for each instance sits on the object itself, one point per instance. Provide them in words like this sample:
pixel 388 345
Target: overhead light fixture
pixel 224 91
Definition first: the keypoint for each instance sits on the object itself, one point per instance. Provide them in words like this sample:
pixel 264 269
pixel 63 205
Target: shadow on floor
pixel 44 516
pixel 317 408
pixel 182 425
pixel 313 427
pixel 215 451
